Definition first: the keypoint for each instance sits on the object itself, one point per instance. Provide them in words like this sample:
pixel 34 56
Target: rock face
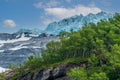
pixel 53 73
pixel 6 36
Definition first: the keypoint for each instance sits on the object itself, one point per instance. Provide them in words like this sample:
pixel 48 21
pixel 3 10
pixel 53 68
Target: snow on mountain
pixel 1 45
pixel 22 46
pixel 2 69
pixel 29 31
pixel 17 50
pixel 22 38
pixel 2 51
pixel 75 22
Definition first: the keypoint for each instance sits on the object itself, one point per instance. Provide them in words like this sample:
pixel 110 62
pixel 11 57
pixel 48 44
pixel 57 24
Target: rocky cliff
pixel 52 73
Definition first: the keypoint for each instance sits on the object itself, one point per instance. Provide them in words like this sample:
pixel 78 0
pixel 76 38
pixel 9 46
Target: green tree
pixel 78 74
pixel 98 76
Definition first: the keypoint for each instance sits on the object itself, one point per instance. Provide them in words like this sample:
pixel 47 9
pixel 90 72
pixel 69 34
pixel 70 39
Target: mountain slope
pixel 15 48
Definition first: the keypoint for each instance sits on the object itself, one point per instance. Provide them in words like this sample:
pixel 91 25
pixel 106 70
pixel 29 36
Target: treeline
pixel 97 44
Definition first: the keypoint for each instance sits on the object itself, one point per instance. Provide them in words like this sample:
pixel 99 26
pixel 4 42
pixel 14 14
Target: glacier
pixel 30 31
pixel 75 22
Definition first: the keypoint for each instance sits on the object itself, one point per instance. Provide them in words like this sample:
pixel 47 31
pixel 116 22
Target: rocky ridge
pixel 52 73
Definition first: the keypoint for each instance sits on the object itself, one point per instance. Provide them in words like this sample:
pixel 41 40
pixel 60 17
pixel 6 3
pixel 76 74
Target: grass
pixel 2 76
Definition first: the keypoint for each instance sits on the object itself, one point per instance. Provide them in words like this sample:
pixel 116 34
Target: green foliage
pixel 98 76
pixel 33 62
pixel 1 77
pixel 82 74
pixel 114 56
pixel 77 74
pixel 96 44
